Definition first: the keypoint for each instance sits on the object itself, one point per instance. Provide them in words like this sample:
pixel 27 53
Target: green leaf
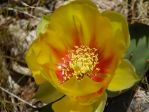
pixel 47 93
pixel 138 53
pixel 43 24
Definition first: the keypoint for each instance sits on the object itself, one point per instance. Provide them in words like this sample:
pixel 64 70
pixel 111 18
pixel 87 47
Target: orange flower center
pixel 79 62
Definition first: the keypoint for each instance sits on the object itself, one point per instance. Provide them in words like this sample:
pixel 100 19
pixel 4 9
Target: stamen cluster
pixel 79 62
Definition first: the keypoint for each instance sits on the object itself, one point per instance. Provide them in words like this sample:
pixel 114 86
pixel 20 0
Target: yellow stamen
pixel 83 60
pixel 79 62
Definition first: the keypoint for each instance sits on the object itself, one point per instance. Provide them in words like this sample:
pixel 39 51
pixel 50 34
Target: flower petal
pixel 112 40
pixel 38 77
pixel 68 105
pixel 75 21
pixel 31 59
pixel 72 105
pixel 119 23
pixel 124 78
pixel 80 88
pixel 37 57
pixel 69 25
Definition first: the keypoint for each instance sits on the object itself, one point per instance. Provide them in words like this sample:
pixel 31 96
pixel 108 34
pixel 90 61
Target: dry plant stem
pixel 146 82
pixel 15 96
pixel 12 58
pixel 26 13
pixel 39 8
pixel 20 69
pixel 12 98
pixel 138 11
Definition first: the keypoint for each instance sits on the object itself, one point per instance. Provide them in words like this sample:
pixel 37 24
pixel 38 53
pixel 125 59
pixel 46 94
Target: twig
pixel 13 58
pixel 26 13
pixel 39 8
pixel 12 98
pixel 15 96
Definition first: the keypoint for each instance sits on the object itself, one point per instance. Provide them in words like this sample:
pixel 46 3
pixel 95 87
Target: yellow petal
pixel 119 41
pixel 119 23
pixel 37 56
pixel 68 105
pixel 82 87
pixel 39 79
pixel 68 27
pixel 112 39
pixel 124 77
pixel 75 22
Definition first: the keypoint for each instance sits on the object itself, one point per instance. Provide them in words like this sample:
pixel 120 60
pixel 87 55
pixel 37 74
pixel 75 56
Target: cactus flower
pixel 80 50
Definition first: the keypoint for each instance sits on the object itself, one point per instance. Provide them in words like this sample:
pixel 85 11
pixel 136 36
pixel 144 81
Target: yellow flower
pixel 80 50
